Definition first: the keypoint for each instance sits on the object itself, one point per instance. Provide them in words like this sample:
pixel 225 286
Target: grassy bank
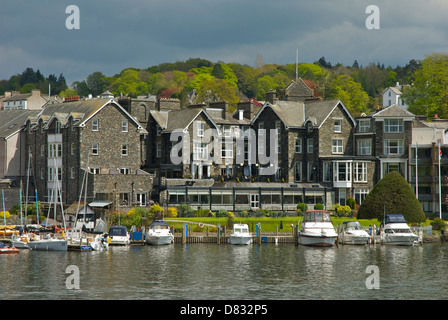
pixel 267 224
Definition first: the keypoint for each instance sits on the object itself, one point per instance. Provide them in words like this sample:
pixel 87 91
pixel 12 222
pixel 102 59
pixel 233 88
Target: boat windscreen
pixel 117 231
pixel 395 218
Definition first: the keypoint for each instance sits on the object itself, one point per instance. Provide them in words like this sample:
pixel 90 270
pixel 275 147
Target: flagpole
pixel 416 170
pixel 440 184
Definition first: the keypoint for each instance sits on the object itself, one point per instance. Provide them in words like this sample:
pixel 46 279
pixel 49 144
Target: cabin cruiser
pixel 316 229
pixel 159 233
pixel 352 233
pixel 240 234
pixel 119 236
pixel 394 230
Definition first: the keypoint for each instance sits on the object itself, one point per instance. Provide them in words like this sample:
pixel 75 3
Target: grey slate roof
pixel 393 111
pixel 12 120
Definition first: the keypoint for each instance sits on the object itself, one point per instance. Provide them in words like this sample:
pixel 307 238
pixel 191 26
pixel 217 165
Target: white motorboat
pixel 159 233
pixel 353 233
pixel 119 236
pixel 317 229
pixel 240 234
pixel 394 230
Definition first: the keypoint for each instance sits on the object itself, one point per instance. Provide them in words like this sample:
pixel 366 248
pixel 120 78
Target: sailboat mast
pixel 4 214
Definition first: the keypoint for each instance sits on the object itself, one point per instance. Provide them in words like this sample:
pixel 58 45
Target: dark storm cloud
pixel 117 34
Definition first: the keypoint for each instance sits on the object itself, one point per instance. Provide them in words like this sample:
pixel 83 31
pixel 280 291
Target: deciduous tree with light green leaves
pixel 428 95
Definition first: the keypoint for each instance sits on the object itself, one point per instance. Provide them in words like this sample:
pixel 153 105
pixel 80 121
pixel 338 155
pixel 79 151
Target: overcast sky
pixel 117 34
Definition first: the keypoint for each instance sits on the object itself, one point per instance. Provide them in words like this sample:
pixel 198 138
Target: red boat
pixel 4 249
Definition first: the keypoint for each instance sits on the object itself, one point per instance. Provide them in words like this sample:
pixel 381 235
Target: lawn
pixel 268 224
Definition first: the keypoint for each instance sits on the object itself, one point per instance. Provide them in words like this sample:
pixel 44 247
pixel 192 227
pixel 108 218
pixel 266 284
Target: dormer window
pixel 309 126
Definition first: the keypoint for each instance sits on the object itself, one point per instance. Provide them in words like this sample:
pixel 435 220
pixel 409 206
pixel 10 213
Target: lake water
pixel 226 272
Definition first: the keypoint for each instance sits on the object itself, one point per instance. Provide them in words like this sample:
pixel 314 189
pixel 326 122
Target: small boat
pixel 119 236
pixel 159 233
pixel 6 247
pixel 21 242
pixel 88 242
pixel 395 230
pixel 353 233
pixel 317 229
pixel 240 234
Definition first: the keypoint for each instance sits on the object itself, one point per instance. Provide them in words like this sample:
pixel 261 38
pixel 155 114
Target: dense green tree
pixel 96 83
pixel 392 195
pixel 351 94
pixel 429 93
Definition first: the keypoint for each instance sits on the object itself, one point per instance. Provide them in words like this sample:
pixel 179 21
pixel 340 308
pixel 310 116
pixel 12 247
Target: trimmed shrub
pixel 318 206
pixel 392 195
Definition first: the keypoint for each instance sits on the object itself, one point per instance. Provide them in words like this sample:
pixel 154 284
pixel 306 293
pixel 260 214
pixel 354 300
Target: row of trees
pixel 360 88
pixel 29 80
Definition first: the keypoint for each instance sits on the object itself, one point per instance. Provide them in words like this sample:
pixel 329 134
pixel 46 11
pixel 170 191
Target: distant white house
pixel 26 101
pixel 392 95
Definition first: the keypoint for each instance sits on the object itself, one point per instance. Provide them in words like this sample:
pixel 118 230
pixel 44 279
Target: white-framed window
pixel 227 150
pixel 326 176
pixel 55 150
pixel 124 150
pixel 364 147
pixel 388 167
pixel 95 148
pixel 310 145
pixel 342 171
pixel 200 151
pixel 393 146
pixel 364 125
pixel 393 125
pixel 227 131
pixel 72 148
pixel 72 173
pixel 337 146
pixel 337 125
pixel 95 124
pixel 42 173
pixel 124 125
pixel 298 145
pixel 201 126
pixel 42 150
pixel 360 171
pixel 360 195
pixel 298 171
pixel 159 149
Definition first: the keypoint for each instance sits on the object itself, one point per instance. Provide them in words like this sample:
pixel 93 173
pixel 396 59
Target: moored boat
pixel 317 229
pixel 159 233
pixel 7 248
pixel 394 230
pixel 119 236
pixel 240 234
pixel 352 233
pixel 48 243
